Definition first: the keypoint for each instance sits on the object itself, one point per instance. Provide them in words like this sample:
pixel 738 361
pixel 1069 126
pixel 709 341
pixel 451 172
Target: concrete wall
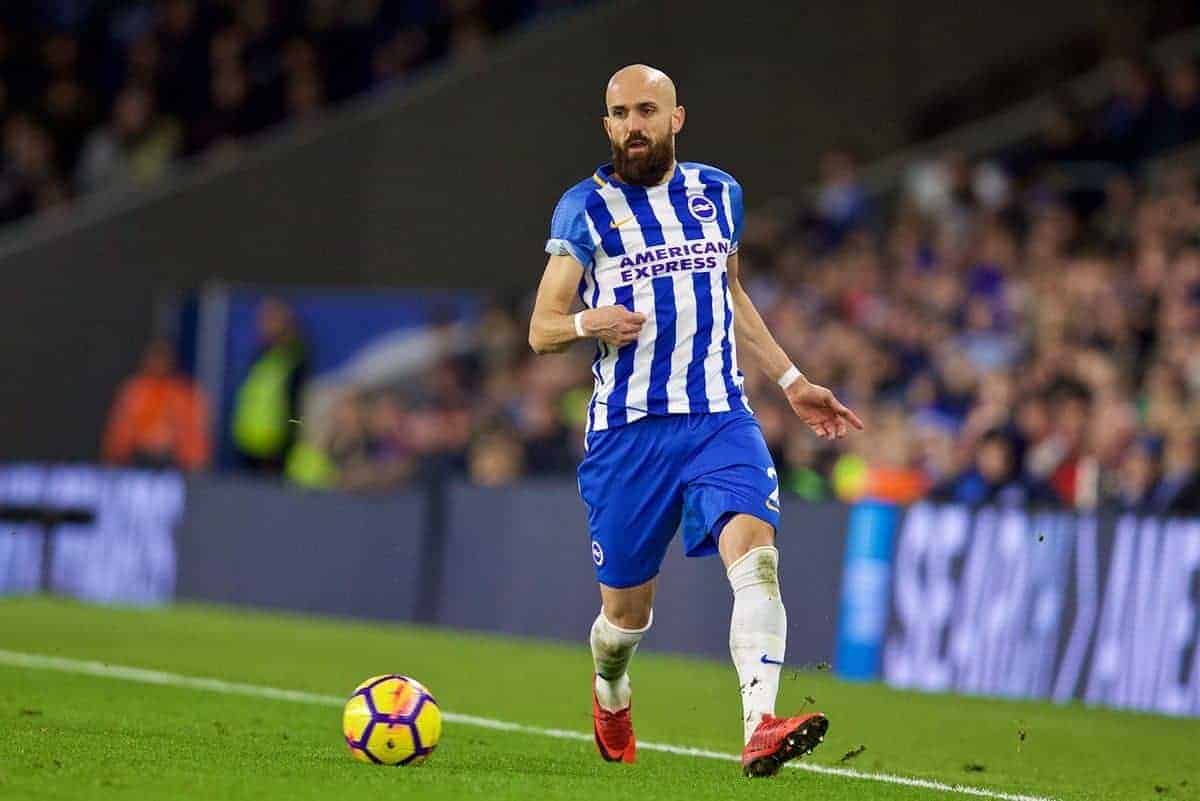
pixel 515 560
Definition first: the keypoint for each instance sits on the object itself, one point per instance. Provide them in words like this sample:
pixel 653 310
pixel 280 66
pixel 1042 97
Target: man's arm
pixel 552 327
pixel 814 404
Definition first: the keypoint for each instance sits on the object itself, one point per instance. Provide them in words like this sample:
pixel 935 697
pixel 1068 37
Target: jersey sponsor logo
pixel 597 554
pixel 682 258
pixel 702 208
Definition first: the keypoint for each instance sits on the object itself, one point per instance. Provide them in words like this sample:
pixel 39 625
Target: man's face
pixel 158 359
pixel 994 461
pixel 274 321
pixel 642 121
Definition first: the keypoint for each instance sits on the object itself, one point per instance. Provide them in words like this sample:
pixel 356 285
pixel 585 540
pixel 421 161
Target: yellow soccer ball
pixel 392 720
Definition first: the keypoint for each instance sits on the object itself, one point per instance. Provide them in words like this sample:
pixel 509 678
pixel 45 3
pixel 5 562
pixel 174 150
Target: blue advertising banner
pixel 125 555
pixel 866 580
pixel 1006 602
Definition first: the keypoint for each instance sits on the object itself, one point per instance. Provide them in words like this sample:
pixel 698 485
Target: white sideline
pixel 144 676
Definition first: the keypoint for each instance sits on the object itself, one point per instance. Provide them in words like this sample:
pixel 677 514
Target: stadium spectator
pixel 1124 121
pixel 230 115
pixel 159 418
pixel 1136 478
pixel 363 448
pixel 135 149
pixel 1177 121
pixel 266 405
pixel 29 178
pixel 842 204
pixel 991 479
pixel 1178 491
pixel 495 457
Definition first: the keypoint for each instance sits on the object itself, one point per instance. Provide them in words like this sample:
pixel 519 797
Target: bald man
pixel 649 246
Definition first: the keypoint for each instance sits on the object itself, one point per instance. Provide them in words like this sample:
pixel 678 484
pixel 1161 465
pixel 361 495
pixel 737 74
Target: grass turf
pixel 66 736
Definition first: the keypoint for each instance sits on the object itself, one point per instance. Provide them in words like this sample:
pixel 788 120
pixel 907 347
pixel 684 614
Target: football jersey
pixel 661 251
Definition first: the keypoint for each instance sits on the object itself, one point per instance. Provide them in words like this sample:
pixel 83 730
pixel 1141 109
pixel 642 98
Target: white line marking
pixel 144 676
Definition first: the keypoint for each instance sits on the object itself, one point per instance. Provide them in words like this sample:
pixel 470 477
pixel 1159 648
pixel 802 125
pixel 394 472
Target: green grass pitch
pixel 66 735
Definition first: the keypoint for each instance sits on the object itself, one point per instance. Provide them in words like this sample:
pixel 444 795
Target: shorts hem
pixel 707 545
pixel 626 586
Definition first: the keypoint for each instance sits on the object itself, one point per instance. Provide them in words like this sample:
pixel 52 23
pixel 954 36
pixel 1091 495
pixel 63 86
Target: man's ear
pixel 677 118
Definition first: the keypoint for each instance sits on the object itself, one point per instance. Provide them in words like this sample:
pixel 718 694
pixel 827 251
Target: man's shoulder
pixel 708 170
pixel 569 227
pixel 576 196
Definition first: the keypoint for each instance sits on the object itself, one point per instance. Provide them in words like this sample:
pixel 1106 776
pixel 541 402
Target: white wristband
pixel 788 378
pixel 579 325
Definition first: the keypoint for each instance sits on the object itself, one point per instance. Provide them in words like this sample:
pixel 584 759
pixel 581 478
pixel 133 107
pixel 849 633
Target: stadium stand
pixel 1020 328
pixel 96 96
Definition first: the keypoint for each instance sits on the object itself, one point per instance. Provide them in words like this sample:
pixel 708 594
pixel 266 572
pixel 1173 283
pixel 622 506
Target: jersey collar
pixel 605 175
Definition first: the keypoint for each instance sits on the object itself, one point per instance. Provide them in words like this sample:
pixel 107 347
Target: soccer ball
pixel 392 720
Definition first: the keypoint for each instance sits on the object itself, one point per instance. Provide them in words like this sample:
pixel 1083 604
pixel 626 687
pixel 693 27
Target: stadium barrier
pixel 1024 604
pixel 527 545
pixel 514 560
pixel 258 543
pixel 1002 602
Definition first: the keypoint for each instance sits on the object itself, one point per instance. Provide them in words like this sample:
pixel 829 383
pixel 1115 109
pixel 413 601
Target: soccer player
pixel 649 245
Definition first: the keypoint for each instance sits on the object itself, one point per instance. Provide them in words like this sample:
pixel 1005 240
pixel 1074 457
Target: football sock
pixel 612 648
pixel 757 632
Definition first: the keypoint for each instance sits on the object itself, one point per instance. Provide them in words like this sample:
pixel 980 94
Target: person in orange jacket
pixel 159 417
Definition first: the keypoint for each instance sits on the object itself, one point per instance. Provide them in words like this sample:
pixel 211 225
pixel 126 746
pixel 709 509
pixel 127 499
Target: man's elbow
pixel 538 341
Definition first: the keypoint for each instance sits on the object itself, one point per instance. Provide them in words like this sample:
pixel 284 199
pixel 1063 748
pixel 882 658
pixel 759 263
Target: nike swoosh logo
pixel 767 661
pixel 622 222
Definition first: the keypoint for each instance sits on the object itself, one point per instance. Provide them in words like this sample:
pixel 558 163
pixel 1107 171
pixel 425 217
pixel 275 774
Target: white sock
pixel 757 632
pixel 612 648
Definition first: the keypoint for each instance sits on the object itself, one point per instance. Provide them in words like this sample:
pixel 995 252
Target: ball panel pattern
pixel 391 720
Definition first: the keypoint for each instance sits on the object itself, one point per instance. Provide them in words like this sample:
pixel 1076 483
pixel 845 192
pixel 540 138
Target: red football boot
pixel 614 732
pixel 776 740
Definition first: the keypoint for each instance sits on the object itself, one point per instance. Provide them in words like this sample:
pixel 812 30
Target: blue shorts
pixel 640 480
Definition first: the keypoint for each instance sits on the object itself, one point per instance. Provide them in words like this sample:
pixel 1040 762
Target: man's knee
pixel 630 616
pixel 742 534
pixel 628 608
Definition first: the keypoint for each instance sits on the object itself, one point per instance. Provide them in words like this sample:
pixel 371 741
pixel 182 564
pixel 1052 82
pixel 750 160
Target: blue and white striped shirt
pixel 661 251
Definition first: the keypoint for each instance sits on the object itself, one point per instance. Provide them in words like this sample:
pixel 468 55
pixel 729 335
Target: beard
pixel 647 168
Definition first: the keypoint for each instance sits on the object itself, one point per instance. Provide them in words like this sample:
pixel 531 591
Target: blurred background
pixel 268 265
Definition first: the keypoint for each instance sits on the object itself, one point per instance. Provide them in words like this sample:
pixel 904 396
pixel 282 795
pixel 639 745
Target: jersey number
pixel 773 498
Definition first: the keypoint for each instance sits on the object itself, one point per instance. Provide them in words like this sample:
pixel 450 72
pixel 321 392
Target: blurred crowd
pixel 1022 328
pixel 1004 345
pixel 98 95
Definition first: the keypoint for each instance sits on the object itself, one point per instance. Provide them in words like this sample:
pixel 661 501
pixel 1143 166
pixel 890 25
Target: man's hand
pixel 615 325
pixel 820 410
